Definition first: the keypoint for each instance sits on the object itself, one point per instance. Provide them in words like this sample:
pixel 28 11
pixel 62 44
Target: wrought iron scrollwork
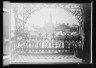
pixel 44 40
pixel 77 12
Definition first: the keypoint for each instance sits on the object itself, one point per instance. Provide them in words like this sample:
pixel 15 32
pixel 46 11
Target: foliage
pixel 63 28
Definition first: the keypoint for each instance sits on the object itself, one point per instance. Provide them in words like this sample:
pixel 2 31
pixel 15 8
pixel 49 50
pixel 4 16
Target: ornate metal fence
pixel 45 45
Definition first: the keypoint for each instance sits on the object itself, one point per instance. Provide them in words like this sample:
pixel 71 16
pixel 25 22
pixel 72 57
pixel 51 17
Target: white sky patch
pixel 42 16
pixel 58 14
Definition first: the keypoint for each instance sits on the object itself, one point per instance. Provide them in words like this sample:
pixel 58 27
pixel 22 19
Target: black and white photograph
pixel 47 33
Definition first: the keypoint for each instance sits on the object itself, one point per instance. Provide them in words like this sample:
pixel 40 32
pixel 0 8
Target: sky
pixel 41 16
pixel 59 15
